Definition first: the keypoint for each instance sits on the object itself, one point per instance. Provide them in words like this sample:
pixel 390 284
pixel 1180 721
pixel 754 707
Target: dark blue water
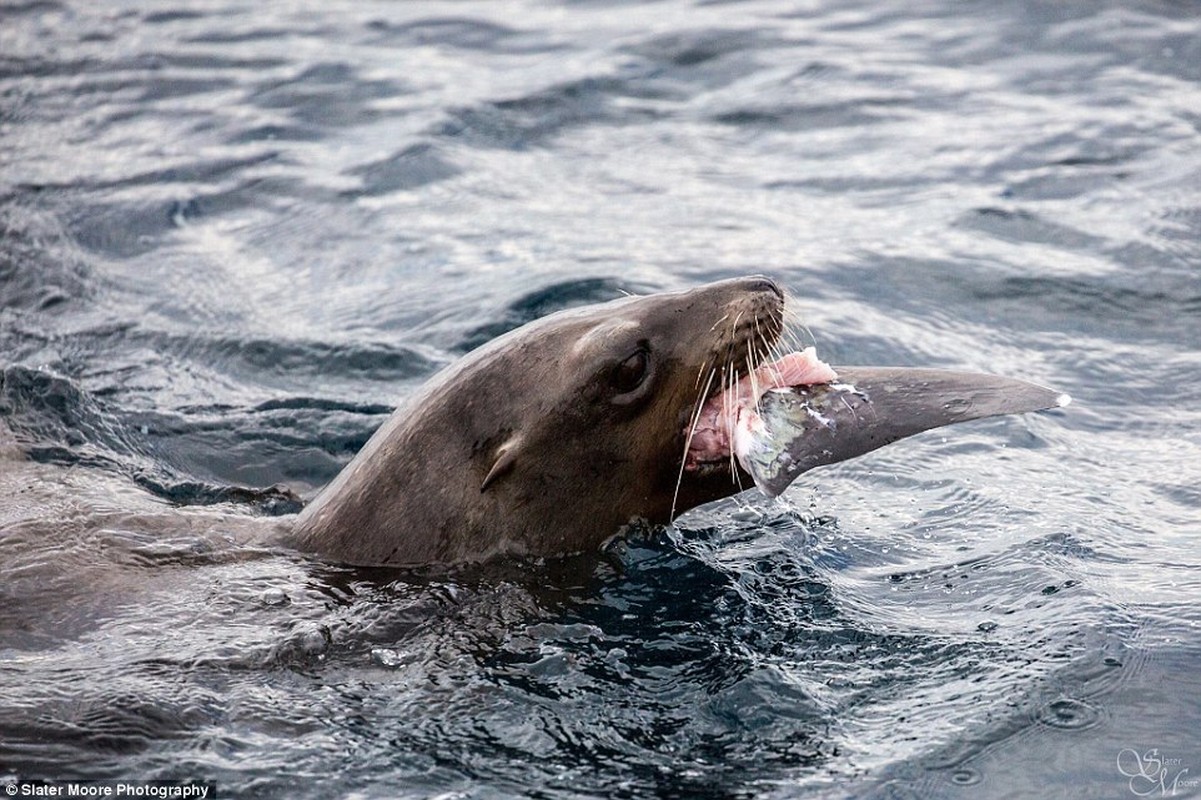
pixel 234 236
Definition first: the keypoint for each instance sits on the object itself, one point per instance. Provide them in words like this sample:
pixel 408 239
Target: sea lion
pixel 552 437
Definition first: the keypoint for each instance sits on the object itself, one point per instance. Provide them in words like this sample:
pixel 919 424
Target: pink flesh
pixel 733 411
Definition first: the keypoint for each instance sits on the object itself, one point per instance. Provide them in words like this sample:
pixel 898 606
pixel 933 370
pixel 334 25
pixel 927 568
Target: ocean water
pixel 233 236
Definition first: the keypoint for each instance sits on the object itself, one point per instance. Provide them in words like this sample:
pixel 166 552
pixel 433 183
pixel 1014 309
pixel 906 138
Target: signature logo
pixel 1153 774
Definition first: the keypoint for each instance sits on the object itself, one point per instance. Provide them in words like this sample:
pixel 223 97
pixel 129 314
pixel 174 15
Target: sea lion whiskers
pixel 792 328
pixel 763 358
pixel 730 398
pixel 695 418
pixel 731 422
pixel 726 383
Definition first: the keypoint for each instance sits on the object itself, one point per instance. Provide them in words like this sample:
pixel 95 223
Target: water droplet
pixel 1069 714
pixel 987 627
pixel 957 406
pixel 1110 661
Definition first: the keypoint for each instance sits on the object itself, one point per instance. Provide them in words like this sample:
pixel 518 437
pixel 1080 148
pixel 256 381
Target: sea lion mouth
pixel 748 359
pixel 724 413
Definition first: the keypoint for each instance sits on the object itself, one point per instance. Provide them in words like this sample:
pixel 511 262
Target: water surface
pixel 234 236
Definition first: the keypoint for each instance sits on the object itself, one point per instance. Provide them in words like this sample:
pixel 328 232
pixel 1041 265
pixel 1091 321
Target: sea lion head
pixel 619 384
pixel 553 437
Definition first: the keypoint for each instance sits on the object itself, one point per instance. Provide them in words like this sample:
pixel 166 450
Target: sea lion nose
pixel 762 284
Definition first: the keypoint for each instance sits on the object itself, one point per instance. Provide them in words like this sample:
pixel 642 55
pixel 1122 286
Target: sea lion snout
pixel 763 285
pixel 756 289
pixel 744 324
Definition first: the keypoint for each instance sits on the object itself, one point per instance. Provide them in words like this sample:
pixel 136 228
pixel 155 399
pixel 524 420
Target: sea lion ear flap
pixel 506 459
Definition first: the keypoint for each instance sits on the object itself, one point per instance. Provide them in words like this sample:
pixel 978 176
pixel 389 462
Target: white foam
pixel 1063 400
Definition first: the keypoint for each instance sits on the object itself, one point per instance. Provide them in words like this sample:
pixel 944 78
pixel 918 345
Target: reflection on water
pixel 233 237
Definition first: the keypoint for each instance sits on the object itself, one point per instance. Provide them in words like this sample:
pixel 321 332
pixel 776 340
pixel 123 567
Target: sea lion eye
pixel 629 374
